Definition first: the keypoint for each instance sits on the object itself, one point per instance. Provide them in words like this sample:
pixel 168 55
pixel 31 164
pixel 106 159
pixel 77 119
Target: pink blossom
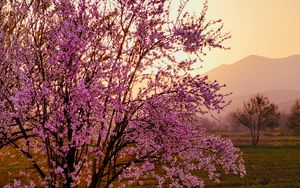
pixel 92 92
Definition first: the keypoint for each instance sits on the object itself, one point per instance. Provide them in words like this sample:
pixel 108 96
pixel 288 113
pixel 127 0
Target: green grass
pixel 267 167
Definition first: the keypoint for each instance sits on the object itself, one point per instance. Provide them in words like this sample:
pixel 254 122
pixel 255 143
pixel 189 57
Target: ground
pixel 267 167
pixel 273 164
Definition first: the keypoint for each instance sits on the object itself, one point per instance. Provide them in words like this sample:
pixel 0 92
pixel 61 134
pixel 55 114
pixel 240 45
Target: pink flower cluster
pixel 92 93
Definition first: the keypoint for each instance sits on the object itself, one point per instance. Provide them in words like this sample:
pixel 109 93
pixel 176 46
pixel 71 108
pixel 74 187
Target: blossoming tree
pixel 97 93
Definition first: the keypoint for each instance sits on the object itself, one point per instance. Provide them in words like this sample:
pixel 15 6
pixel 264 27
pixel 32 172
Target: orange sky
pixel 268 28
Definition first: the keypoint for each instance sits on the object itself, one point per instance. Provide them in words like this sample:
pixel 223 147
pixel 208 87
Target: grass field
pixel 274 164
pixel 267 167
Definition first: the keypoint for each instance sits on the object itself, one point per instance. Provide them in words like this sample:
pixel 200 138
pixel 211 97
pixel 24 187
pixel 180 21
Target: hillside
pixel 258 74
pixel 279 79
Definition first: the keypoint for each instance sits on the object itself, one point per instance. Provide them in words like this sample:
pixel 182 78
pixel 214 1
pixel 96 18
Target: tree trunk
pixel 255 139
pixel 253 134
pixel 70 163
pixel 94 182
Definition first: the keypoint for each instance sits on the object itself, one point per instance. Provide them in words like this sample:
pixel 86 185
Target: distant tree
pixel 294 117
pixel 257 114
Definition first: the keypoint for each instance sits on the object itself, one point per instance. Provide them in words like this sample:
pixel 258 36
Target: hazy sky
pixel 268 28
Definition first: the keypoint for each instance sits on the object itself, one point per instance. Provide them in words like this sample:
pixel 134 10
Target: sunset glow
pixel 261 27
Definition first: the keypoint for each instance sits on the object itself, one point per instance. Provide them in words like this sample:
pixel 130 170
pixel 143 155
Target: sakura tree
pixel 99 93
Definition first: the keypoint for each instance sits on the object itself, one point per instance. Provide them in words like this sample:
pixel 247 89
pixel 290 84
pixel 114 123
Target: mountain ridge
pixel 277 78
pixel 258 74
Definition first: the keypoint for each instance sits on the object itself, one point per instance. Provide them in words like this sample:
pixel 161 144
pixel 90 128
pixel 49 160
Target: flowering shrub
pixel 93 93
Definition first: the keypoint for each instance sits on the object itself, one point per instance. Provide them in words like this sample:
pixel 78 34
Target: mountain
pixel 258 74
pixel 279 79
